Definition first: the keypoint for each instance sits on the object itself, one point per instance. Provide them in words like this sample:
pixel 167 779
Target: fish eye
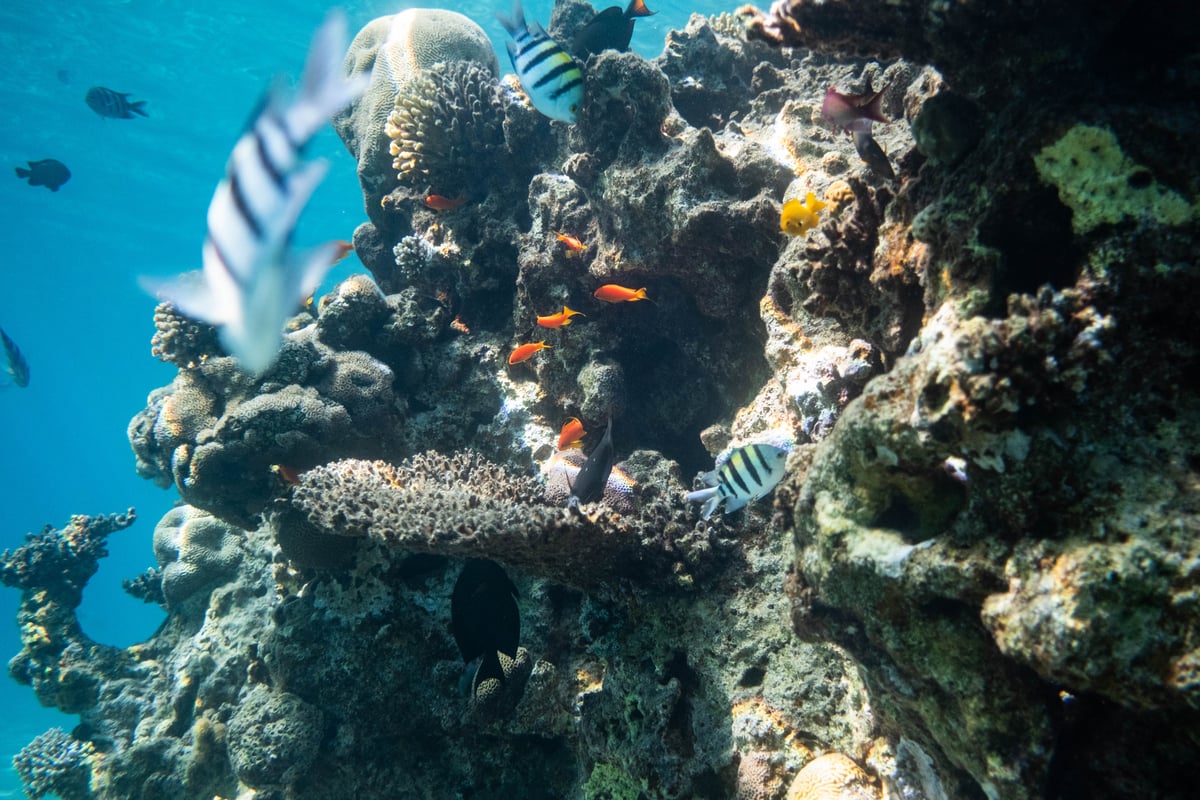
pixel 574 107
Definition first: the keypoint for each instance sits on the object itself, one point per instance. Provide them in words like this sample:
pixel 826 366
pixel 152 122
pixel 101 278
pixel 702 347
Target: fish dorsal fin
pixel 637 8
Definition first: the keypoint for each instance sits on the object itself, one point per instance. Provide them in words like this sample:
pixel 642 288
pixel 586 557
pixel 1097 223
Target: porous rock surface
pixel 981 578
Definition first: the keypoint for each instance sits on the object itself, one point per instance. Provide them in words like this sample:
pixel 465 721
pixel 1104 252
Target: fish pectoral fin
pixel 309 268
pixel 190 294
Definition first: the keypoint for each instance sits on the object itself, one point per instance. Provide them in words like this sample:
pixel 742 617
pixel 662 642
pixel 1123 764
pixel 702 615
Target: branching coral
pixel 62 561
pixel 464 505
pixel 446 127
pixel 55 763
pixel 180 340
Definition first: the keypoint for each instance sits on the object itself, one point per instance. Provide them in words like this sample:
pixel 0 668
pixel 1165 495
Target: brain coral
pixel 273 737
pixel 464 505
pixel 196 552
pixel 394 50
pixel 832 776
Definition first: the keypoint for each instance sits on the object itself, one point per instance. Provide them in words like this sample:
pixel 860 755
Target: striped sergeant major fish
pixel 16 368
pixel 749 473
pixel 251 281
pixel 551 78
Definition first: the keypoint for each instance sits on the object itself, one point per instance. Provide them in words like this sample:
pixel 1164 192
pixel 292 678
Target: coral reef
pixel 978 579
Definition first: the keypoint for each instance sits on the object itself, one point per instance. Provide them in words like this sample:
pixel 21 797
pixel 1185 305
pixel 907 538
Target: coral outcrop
pixel 396 51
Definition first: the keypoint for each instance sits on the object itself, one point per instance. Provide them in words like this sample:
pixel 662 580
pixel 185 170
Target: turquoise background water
pixel 135 205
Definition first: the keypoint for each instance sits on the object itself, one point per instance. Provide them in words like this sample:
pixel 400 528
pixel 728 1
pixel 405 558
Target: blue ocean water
pixel 135 205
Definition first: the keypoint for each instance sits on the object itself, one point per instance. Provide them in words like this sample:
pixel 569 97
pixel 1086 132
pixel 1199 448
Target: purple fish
pixel 854 112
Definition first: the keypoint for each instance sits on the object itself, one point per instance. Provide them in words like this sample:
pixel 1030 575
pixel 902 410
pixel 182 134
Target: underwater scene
pixel 480 400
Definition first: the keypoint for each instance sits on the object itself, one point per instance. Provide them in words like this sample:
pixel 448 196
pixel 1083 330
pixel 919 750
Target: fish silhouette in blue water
pixel 588 486
pixel 251 281
pixel 611 29
pixel 48 172
pixel 16 368
pixel 109 103
pixel 484 617
pixel 749 473
pixel 551 78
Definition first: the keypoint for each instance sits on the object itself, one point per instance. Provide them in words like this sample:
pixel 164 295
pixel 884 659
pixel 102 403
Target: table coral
pixel 463 505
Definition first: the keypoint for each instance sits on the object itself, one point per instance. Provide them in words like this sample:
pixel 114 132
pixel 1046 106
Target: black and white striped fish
pixel 252 283
pixel 109 103
pixel 551 78
pixel 749 473
pixel 16 368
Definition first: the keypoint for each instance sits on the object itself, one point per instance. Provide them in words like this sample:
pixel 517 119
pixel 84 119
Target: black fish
pixel 870 152
pixel 108 103
pixel 593 475
pixel 611 29
pixel 15 364
pixel 48 172
pixel 484 616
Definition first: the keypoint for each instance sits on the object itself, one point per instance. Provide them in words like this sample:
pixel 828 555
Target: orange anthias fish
pixel 559 320
pixel 441 203
pixel 526 351
pixel 612 293
pixel 344 249
pixel 572 431
pixel 573 245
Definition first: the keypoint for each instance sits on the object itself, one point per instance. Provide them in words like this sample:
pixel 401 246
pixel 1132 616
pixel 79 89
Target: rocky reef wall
pixel 978 580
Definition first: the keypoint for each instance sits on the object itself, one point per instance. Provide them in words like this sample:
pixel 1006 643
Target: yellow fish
pixel 800 218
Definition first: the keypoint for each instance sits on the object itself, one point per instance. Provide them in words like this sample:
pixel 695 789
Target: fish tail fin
pixel 874 109
pixel 22 172
pixel 637 8
pixel 640 294
pixel 710 497
pixel 324 91
pixel 190 294
pixel 514 23
pixel 139 107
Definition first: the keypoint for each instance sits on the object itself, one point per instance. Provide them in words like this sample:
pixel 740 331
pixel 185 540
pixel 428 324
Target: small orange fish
pixel 344 249
pixel 612 293
pixel 572 431
pixel 573 245
pixel 290 475
pixel 526 351
pixel 441 203
pixel 559 320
